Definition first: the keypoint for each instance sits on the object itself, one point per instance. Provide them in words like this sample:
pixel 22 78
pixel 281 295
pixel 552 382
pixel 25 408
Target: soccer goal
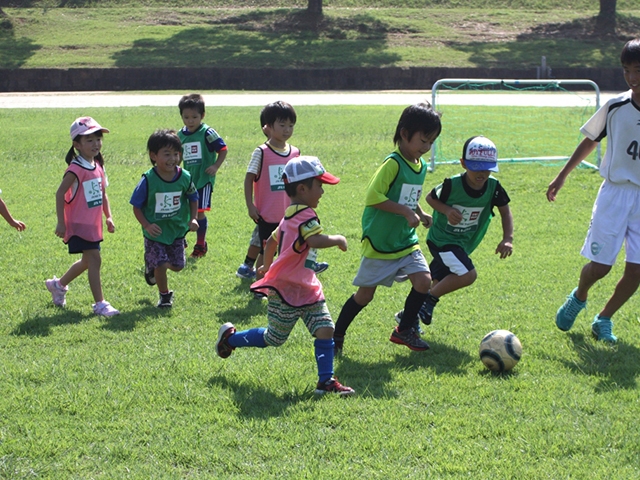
pixel 528 120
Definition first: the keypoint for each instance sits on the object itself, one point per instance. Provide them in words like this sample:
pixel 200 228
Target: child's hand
pixel 153 229
pixel 193 225
pixel 341 243
pixel 212 170
pixel 17 224
pixel 454 216
pixel 254 213
pixel 412 219
pixel 60 230
pixel 111 227
pixel 427 220
pixel 505 249
pixel 262 269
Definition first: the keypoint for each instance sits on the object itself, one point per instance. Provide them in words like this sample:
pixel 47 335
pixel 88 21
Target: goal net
pixel 528 120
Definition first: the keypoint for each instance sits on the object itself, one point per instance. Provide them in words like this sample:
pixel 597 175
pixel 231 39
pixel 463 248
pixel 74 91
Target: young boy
pixel 264 189
pixel 390 246
pixel 462 210
pixel 165 202
pixel 203 154
pixel 616 213
pixel 293 288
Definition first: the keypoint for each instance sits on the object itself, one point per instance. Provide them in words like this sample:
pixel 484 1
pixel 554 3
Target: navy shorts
pixel 204 198
pixel 447 260
pixel 265 229
pixel 79 245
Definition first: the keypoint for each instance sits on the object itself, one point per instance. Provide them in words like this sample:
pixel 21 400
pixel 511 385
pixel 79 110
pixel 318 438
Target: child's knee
pixel 324 333
pixel 421 283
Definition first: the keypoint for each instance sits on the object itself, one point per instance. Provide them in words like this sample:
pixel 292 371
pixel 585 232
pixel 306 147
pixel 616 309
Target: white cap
pixel 301 168
pixel 480 153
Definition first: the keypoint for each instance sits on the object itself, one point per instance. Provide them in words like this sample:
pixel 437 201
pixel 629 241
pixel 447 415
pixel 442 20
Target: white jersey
pixel 619 119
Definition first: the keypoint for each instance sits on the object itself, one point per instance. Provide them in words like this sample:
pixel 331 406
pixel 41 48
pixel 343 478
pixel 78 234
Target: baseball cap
pixel 304 167
pixel 479 153
pixel 85 126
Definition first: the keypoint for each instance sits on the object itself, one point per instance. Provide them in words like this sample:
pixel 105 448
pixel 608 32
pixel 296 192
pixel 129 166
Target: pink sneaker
pixel 105 309
pixel 58 292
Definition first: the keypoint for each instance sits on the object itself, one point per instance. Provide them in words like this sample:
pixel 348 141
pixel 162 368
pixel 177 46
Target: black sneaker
pixel 409 338
pixel 222 346
pixel 166 300
pixel 149 275
pixel 416 324
pixel 320 267
pixel 334 386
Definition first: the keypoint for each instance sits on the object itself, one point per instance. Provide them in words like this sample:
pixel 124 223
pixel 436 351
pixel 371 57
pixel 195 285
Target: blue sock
pixel 249 338
pixel 324 359
pixel 202 230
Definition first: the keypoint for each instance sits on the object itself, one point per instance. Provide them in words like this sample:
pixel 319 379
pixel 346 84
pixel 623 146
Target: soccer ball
pixel 500 350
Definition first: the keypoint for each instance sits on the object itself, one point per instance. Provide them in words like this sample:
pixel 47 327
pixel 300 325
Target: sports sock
pixel 412 305
pixel 324 359
pixel 202 231
pixel 249 262
pixel 248 338
pixel 349 311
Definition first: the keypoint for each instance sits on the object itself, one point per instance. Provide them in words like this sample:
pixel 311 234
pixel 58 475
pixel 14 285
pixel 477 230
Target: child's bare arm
pixel 213 169
pixel 254 213
pixel 106 209
pixel 453 216
pixel 326 241
pixel 393 207
pixel 193 221
pixel 505 247
pixel 152 229
pixel 425 218
pixel 4 211
pixel 581 152
pixel 270 248
pixel 65 185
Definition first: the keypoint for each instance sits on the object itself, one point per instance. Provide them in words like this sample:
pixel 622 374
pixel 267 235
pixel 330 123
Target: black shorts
pixel 79 245
pixel 265 229
pixel 447 260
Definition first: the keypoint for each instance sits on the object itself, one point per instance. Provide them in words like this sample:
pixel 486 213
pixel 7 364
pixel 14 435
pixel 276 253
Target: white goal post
pixel 500 95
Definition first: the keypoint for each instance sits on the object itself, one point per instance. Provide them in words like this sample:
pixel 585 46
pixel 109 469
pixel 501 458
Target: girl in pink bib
pixel 80 202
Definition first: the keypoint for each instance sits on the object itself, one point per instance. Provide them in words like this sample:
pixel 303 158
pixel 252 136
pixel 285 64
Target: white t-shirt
pixel 619 120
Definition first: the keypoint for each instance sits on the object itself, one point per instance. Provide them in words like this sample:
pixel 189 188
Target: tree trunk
pixel 315 7
pixel 606 19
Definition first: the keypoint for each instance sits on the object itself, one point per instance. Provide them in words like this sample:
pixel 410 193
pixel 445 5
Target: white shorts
pixel 374 271
pixel 615 220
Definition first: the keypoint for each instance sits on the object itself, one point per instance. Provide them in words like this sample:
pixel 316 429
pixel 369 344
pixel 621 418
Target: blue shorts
pixel 204 198
pixel 156 253
pixel 79 245
pixel 447 260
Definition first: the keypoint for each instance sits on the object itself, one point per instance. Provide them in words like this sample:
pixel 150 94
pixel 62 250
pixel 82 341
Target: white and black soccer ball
pixel 500 350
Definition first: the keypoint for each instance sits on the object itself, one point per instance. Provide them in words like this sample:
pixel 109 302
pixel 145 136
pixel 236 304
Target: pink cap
pixel 85 126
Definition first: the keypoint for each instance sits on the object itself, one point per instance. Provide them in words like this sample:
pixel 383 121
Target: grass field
pixel 279 33
pixel 143 395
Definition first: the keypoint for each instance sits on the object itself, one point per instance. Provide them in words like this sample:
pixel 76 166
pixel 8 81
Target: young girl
pixel 80 201
pixel 390 247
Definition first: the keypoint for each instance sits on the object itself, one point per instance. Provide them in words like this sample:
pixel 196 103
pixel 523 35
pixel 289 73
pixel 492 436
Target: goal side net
pixel 528 120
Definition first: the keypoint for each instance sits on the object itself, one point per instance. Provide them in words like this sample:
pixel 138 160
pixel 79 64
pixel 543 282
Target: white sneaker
pixel 105 309
pixel 58 292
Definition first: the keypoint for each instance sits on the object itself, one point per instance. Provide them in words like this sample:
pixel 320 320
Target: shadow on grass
pixel 40 326
pixel 615 365
pixel 14 52
pixel 372 379
pixel 257 402
pixel 571 44
pixel 280 39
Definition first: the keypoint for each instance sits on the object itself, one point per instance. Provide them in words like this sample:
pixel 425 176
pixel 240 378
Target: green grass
pixel 143 395
pixel 280 34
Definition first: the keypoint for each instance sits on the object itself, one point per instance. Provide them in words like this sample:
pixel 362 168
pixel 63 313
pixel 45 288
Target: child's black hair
pixel 418 118
pixel 291 189
pixel 71 154
pixel 193 101
pixel 630 52
pixel 275 111
pixel 164 138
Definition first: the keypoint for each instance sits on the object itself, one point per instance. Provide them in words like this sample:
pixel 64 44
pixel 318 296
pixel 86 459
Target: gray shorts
pixel 374 271
pixel 255 238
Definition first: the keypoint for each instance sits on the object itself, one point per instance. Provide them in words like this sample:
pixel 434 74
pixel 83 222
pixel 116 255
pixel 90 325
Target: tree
pixel 315 7
pixel 606 19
